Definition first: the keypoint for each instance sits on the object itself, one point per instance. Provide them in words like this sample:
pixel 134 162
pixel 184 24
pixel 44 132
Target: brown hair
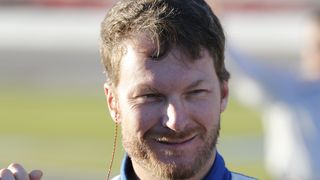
pixel 187 24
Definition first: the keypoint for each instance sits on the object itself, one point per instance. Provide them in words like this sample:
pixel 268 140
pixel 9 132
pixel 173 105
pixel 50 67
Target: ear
pixel 112 102
pixel 224 95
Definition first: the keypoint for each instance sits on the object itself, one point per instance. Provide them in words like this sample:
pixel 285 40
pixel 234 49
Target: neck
pixel 144 173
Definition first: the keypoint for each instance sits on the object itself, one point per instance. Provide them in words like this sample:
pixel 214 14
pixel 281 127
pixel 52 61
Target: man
pixel 166 86
pixel 290 103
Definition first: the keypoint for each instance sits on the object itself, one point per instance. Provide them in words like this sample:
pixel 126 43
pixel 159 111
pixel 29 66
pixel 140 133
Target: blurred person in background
pixel 166 86
pixel 290 103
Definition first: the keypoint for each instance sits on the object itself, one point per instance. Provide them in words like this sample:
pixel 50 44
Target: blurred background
pixel 52 109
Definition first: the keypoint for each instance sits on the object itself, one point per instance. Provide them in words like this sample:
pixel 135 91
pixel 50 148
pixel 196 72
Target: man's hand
pixel 17 172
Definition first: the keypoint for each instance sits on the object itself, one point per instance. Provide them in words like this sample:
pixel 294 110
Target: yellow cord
pixel 114 149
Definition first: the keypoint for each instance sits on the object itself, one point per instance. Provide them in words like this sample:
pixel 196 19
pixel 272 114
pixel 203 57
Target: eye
pixel 197 93
pixel 150 97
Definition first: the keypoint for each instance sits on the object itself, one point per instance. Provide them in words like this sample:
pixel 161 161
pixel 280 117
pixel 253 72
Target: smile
pixel 169 141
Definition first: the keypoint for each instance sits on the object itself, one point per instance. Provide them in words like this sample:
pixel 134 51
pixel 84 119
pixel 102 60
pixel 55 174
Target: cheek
pixel 208 112
pixel 139 119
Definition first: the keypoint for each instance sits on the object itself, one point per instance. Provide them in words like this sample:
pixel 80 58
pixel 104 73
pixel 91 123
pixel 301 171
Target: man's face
pixel 169 110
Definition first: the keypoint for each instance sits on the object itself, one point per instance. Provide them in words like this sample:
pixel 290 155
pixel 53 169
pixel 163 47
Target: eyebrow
pixel 195 84
pixel 142 87
pixel 145 87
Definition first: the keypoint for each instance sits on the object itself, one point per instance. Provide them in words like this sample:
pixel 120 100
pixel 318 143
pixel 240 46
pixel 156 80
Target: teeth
pixel 163 140
pixel 172 141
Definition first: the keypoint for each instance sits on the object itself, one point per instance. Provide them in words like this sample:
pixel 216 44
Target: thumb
pixel 35 175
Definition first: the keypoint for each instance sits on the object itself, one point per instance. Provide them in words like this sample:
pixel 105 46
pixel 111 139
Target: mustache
pixel 165 133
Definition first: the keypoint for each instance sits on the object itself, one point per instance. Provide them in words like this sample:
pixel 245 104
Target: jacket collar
pixel 218 170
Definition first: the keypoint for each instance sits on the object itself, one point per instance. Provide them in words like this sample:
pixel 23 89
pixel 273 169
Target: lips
pixel 174 141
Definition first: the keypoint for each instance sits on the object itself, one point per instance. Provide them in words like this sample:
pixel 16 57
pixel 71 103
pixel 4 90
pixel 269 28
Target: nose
pixel 176 116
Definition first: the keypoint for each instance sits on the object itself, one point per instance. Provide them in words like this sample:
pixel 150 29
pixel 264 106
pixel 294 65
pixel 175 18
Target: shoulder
pixel 237 176
pixel 116 178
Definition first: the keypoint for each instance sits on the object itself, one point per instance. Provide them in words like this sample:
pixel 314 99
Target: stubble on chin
pixel 142 154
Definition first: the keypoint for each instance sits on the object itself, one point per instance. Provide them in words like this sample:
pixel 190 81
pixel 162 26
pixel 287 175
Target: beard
pixel 170 164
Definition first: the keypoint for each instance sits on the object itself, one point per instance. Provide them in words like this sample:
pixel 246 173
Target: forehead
pixel 140 44
pixel 174 70
pixel 143 48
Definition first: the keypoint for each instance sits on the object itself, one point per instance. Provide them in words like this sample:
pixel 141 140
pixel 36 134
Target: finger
pixel 19 172
pixel 35 175
pixel 6 174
